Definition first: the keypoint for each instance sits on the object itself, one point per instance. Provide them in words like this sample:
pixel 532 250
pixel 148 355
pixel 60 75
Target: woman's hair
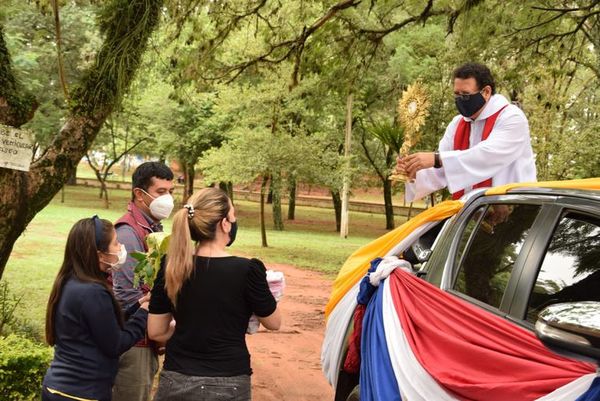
pixel 86 238
pixel 210 206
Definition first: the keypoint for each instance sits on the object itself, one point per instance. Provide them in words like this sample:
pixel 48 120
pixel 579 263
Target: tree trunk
pixel 24 194
pixel 346 184
pixel 72 180
pixel 276 191
pixel 223 186
pixel 263 228
pixel 410 208
pixel 389 207
pixel 270 193
pixel 16 106
pixel 189 171
pixel 229 189
pixel 104 187
pixel 337 206
pixel 292 199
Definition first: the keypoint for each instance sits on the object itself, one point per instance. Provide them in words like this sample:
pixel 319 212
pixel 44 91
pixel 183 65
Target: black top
pixel 89 341
pixel 213 309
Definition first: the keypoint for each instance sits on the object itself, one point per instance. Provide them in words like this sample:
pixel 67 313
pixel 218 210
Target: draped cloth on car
pixel 342 302
pixel 423 344
pixel 358 263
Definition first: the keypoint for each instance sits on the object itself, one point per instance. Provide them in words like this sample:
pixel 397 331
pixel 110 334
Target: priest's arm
pixel 464 168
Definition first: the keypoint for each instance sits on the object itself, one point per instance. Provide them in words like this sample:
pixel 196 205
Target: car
pixel 504 254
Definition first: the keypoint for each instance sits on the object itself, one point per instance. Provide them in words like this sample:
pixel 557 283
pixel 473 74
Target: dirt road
pixel 286 363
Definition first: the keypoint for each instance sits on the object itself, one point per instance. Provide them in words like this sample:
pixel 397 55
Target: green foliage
pixel 105 84
pixel 30 37
pixel 11 91
pixel 23 364
pixel 149 263
pixel 8 305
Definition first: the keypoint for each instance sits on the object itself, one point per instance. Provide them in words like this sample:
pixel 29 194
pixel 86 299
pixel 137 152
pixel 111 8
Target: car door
pixel 485 251
pixel 564 263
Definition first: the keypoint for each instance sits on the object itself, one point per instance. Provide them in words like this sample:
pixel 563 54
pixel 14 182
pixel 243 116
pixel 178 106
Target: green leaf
pixel 139 256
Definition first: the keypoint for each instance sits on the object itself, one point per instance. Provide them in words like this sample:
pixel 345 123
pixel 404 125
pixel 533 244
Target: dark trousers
pixel 48 396
pixel 175 386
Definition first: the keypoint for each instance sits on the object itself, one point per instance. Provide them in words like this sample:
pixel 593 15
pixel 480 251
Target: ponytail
pixel 211 205
pixel 180 256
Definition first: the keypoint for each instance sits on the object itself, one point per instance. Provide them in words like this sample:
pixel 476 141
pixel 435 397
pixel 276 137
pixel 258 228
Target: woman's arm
pixel 99 315
pixel 271 322
pixel 160 327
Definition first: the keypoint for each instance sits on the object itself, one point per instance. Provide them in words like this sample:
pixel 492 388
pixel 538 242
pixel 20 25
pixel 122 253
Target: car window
pixel 490 250
pixel 468 231
pixel 571 268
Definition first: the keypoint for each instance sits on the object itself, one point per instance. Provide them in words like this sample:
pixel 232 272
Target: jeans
pixel 175 386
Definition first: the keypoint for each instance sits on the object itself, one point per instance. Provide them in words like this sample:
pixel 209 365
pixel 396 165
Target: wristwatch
pixel 437 163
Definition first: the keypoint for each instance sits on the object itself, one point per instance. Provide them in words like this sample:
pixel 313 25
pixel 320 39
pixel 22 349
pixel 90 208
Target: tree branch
pixel 292 45
pixel 363 143
pixel 61 67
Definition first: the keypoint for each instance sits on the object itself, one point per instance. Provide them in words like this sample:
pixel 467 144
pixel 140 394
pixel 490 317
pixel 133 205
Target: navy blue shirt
pixel 89 341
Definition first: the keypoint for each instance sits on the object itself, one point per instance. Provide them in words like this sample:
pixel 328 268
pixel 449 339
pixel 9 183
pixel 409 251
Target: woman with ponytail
pixel 84 322
pixel 211 295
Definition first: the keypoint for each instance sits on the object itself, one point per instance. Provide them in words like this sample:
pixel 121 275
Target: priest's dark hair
pixel 482 74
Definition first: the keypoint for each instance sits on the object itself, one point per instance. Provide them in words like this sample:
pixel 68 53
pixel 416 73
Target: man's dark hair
pixel 480 72
pixel 143 174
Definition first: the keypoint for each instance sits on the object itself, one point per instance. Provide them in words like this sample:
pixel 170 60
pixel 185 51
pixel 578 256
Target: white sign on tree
pixel 15 148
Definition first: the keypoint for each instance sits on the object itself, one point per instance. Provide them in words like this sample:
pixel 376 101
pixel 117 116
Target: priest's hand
pixel 417 161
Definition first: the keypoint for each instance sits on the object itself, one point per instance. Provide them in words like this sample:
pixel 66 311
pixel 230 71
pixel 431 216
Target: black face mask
pixel 471 105
pixel 233 232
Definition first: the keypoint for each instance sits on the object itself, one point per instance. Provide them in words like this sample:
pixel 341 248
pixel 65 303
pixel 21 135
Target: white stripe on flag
pixel 335 331
pixel 337 324
pixel 571 391
pixel 415 383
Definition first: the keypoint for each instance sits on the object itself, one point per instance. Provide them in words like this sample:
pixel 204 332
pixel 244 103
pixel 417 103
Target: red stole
pixel 461 142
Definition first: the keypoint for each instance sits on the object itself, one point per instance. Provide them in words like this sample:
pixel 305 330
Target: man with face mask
pixel 151 202
pixel 487 144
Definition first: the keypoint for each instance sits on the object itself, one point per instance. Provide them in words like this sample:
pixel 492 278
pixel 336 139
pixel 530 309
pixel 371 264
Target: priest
pixel 487 144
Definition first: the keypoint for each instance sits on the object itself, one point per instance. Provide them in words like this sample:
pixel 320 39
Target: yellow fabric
pixel 67 395
pixel 357 265
pixel 587 183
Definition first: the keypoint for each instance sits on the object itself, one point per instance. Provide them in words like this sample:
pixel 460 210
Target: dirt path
pixel 286 363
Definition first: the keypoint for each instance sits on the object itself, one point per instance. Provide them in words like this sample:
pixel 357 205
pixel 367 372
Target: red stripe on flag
pixel 475 354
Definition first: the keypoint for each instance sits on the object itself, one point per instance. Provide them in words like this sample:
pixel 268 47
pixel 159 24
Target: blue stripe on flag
pixel 593 394
pixel 377 379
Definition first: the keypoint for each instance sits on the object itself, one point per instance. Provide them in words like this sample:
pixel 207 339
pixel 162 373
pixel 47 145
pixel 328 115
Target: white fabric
pixel 506 156
pixel 414 381
pixel 335 331
pixel 276 281
pixel 571 391
pixel 417 384
pixel 387 265
pixel 340 316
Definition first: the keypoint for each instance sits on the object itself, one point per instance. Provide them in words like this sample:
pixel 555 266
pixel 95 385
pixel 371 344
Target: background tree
pixel 125 26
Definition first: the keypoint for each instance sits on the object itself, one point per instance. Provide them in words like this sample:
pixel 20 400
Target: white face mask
pixel 122 257
pixel 162 206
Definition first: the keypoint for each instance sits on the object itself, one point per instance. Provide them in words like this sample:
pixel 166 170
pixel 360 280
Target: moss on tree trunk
pixel 126 25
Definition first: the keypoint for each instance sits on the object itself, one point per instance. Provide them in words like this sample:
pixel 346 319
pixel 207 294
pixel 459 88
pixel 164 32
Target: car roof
pixel 578 193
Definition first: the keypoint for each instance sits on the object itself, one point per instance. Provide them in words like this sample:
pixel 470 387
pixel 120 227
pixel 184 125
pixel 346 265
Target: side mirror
pixel 571 329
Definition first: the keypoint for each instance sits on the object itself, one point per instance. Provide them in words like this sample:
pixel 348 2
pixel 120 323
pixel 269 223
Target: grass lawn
pixel 309 242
